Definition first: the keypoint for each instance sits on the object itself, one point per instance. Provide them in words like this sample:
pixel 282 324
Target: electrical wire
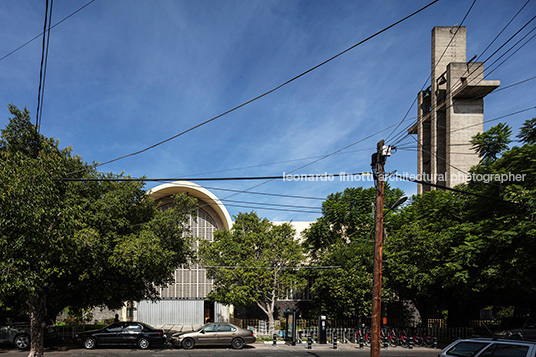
pixel 273 204
pixel 272 268
pixel 468 193
pixel 435 66
pixel 241 191
pixel 42 70
pixel 476 67
pixel 463 128
pixel 285 177
pixel 268 208
pixel 276 163
pixel 270 91
pixel 45 67
pixel 42 33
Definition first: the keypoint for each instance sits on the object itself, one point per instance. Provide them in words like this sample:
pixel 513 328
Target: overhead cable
pixel 468 193
pixel 289 177
pixel 476 67
pixel 37 36
pixel 268 92
pixel 435 65
pixel 44 61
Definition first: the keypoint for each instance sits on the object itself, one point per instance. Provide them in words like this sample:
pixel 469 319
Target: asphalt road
pixel 257 349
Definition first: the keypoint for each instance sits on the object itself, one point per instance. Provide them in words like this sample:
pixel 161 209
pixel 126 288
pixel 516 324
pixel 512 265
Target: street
pixel 258 349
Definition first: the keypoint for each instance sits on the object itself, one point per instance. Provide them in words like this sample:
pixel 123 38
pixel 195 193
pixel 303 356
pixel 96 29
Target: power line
pixel 500 33
pixel 286 177
pixel 276 163
pixel 469 126
pixel 472 125
pixel 271 208
pixel 268 92
pixel 44 61
pixel 272 204
pixel 476 67
pixel 317 160
pixel 37 36
pixel 249 192
pixel 507 58
pixel 271 268
pixel 435 65
pixel 469 193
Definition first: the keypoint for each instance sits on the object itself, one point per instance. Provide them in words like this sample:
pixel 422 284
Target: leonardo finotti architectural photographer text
pixel 346 177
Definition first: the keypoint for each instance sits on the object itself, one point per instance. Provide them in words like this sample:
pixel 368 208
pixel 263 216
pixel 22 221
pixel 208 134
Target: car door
pixel 110 335
pixel 209 335
pixel 225 334
pixel 131 333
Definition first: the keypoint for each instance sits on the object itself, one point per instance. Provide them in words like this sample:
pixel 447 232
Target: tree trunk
pixel 37 305
pixel 269 311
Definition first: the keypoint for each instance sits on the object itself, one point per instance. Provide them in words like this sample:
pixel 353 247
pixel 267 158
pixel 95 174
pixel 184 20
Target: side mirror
pixel 203 332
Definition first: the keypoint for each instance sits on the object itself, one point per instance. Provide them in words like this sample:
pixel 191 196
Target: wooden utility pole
pixel 378 162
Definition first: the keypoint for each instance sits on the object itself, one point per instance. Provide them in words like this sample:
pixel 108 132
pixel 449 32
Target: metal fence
pixel 346 330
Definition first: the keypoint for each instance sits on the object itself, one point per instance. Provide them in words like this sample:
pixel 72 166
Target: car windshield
pixel 466 349
pixel 200 328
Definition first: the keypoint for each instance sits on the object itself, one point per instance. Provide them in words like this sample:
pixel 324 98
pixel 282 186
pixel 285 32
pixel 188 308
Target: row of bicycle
pixel 390 336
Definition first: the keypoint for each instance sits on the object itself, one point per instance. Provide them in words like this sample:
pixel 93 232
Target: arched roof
pixel 193 190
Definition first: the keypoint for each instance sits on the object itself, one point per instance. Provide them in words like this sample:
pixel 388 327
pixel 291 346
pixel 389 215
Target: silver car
pixel 475 347
pixel 214 334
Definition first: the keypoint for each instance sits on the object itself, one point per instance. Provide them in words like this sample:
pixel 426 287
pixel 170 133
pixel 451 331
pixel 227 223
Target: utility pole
pixel 378 162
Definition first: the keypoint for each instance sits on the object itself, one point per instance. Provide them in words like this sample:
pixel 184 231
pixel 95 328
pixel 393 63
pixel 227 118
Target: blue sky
pixel 123 75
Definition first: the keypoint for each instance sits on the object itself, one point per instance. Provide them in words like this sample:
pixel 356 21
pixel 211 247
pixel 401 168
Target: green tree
pixel 418 249
pixel 465 252
pixel 490 144
pixel 253 263
pixel 527 133
pixel 78 244
pixel 343 238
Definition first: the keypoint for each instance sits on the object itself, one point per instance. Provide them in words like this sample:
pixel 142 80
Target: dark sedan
pixel 223 334
pixel 122 334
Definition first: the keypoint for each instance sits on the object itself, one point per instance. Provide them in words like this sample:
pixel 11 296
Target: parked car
pixel 518 328
pixel 489 347
pixel 214 334
pixel 18 334
pixel 122 334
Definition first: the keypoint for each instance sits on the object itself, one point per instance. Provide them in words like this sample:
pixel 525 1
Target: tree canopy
pixel 343 238
pixel 253 263
pixel 78 244
pixel 463 252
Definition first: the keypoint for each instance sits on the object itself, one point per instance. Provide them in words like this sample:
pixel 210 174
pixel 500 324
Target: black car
pixel 122 334
pixel 520 328
pixel 18 334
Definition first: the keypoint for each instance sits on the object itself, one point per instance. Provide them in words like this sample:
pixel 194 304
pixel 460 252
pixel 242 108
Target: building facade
pixel 450 111
pixel 184 302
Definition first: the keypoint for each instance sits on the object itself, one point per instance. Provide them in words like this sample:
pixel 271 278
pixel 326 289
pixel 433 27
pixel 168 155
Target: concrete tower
pixel 450 111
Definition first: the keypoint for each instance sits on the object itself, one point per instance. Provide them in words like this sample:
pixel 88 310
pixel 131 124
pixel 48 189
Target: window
pixel 224 328
pixel 116 327
pixel 134 327
pixel 505 350
pixel 211 328
pixel 466 349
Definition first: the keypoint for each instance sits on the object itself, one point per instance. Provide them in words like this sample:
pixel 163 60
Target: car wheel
pixel 90 343
pixel 237 343
pixel 143 343
pixel 188 343
pixel 22 341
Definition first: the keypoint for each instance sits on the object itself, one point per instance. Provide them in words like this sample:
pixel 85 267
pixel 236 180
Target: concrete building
pixel 184 302
pixel 450 111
